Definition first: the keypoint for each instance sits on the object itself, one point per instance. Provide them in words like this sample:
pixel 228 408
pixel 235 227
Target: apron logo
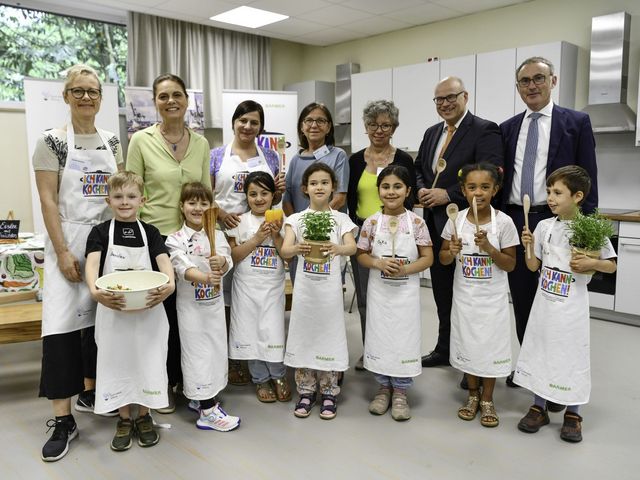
pixel 477 267
pixel 316 268
pixel 94 184
pixel 264 257
pixel 403 261
pixel 204 292
pixel 238 182
pixel 555 282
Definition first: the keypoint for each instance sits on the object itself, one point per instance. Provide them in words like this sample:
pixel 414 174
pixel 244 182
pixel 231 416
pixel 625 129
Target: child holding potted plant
pixel 397 243
pixel 256 331
pixel 554 357
pixel 317 342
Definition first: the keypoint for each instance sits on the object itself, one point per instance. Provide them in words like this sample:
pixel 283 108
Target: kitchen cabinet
pixel 564 56
pixel 413 95
pixel 465 69
pixel 626 299
pixel 314 91
pixel 367 86
pixel 496 85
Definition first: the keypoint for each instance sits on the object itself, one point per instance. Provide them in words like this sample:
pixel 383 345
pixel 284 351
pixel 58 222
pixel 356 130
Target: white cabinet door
pixel 496 85
pixel 465 69
pixel 626 300
pixel 564 57
pixel 413 95
pixel 367 86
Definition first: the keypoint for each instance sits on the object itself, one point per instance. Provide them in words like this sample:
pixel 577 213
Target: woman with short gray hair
pixel 381 118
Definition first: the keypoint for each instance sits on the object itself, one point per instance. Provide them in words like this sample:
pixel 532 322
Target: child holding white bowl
pixel 132 346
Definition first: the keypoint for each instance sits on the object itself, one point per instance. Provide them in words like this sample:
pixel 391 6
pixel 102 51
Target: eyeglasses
pixel 321 122
pixel 537 80
pixel 79 93
pixel 373 127
pixel 449 98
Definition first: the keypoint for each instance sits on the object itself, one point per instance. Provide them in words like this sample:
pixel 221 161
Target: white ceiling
pixel 312 22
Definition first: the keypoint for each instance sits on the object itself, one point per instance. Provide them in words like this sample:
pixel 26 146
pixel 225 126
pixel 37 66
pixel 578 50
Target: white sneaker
pixel 194 406
pixel 217 419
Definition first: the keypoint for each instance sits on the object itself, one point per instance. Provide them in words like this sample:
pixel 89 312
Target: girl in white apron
pixel 200 306
pixel 396 242
pixel 132 346
pixel 480 322
pixel 554 358
pixel 257 310
pixel 317 342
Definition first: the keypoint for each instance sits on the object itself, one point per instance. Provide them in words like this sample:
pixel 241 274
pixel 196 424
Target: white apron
pixel 257 310
pixel 480 322
pixel 554 358
pixel 132 346
pixel 68 306
pixel 317 333
pixel 230 179
pixel 393 341
pixel 203 335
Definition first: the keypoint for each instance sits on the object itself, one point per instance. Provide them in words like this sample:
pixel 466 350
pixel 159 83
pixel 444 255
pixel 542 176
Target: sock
pixel 207 404
pixel 66 418
pixel 573 409
pixel 539 402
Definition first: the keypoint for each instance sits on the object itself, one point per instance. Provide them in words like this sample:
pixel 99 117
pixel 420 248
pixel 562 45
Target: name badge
pixel 323 151
pixel 477 267
pixel 264 257
pixel 555 283
pixel 77 164
pixel 255 162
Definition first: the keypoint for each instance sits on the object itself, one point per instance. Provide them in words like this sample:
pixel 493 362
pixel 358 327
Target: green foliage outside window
pixel 42 45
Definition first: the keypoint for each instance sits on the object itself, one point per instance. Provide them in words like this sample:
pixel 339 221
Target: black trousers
pixel 523 283
pixel 174 365
pixel 442 286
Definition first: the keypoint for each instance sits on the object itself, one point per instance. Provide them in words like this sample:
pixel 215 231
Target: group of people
pixel 228 303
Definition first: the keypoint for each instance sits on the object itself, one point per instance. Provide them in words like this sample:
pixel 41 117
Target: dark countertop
pixel 621 215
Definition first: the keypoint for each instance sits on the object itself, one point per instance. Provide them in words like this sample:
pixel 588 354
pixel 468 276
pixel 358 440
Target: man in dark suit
pixel 561 137
pixel 461 139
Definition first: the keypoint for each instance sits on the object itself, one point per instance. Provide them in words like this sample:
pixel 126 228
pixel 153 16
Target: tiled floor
pixel 272 444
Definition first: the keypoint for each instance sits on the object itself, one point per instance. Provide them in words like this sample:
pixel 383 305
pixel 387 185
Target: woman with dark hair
pixel 380 122
pixel 167 155
pixel 229 167
pixel 315 135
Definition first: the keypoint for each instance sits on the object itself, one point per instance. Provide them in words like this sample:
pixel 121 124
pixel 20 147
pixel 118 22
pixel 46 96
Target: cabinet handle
pixel 623 244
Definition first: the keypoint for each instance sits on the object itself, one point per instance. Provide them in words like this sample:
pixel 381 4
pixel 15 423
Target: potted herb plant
pixel 316 231
pixel 589 233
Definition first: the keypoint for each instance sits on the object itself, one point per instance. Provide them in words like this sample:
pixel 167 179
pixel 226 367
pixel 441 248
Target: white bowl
pixel 138 281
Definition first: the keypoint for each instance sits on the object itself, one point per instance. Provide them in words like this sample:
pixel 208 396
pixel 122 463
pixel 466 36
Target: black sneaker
pixel 57 446
pixel 147 435
pixel 86 402
pixel 123 439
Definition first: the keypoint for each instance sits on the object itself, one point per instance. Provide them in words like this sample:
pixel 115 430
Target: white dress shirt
pixel 443 137
pixel 540 172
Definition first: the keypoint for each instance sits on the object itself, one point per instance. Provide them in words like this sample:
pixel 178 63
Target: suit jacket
pixel 571 143
pixel 476 140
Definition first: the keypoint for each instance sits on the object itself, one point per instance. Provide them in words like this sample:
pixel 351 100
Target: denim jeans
pixel 262 371
pixel 403 383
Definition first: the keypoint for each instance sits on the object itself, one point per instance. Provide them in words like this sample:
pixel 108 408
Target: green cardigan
pixel 150 157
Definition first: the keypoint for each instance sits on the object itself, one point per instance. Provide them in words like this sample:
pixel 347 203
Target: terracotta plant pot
pixel 589 253
pixel 316 255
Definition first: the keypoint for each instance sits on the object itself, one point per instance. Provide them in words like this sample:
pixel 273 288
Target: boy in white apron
pixel 395 245
pixel 554 357
pixel 200 307
pixel 132 346
pixel 257 332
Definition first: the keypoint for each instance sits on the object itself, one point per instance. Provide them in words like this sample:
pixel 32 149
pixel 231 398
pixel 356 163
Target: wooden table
pixel 20 322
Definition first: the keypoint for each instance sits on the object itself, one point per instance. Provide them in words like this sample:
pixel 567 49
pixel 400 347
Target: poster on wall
pixel 45 108
pixel 280 119
pixel 141 109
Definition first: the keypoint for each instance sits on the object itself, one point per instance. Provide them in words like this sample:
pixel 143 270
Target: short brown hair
pixel 122 179
pixel 574 177
pixel 195 190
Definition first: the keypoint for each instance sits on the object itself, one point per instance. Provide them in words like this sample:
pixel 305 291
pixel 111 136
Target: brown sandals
pixel 283 391
pixel 488 416
pixel 468 412
pixel 265 392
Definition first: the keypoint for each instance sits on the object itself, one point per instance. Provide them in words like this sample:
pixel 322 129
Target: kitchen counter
pixel 621 215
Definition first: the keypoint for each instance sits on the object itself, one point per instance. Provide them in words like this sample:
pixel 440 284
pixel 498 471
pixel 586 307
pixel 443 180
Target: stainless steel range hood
pixel 608 74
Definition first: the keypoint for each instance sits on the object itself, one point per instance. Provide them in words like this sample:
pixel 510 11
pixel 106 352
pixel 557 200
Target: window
pixel 43 45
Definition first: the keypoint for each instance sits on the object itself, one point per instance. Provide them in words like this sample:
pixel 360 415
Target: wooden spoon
pixel 526 205
pixel 452 213
pixel 210 217
pixel 393 228
pixel 440 166
pixel 474 206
